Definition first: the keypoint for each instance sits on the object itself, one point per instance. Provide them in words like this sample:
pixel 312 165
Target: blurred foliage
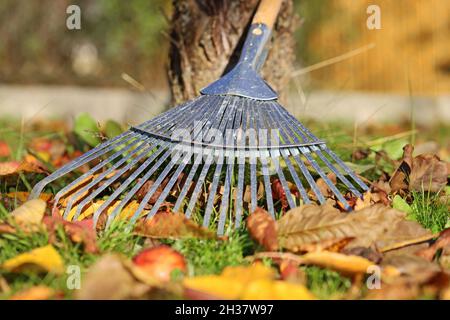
pixel 411 53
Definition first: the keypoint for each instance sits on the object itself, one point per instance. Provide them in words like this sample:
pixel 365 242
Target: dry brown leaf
pixel 171 225
pixel 78 231
pixel 442 242
pixel 323 186
pixel 312 224
pixel 262 229
pixel 29 164
pixel 110 279
pixel 424 172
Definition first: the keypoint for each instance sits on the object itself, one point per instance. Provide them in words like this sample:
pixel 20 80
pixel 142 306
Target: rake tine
pixel 93 170
pixel 175 176
pixel 265 171
pixel 241 172
pixel 125 184
pixel 229 142
pixel 89 156
pixel 306 154
pixel 288 162
pixel 346 168
pixel 186 186
pixel 218 171
pixel 111 180
pixel 295 154
pixel 253 157
pixel 219 119
pixel 138 185
pixel 337 172
pixel 148 174
pixel 105 173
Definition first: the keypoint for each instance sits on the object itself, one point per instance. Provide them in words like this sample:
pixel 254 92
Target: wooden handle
pixel 267 12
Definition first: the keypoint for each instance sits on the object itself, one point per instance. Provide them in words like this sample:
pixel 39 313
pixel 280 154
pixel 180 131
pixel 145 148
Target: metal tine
pixel 295 153
pixel 149 173
pixel 263 156
pixel 111 180
pixel 346 168
pixel 275 154
pixel 291 125
pixel 89 173
pixel 230 154
pixel 167 116
pixel 287 159
pixel 87 157
pixel 162 197
pixel 218 123
pixel 331 154
pixel 125 184
pixel 315 149
pixel 253 157
pixel 241 162
pixel 73 198
pixel 229 119
pixel 350 186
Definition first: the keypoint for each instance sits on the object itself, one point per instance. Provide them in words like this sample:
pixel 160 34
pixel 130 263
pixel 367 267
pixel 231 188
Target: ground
pixel 401 227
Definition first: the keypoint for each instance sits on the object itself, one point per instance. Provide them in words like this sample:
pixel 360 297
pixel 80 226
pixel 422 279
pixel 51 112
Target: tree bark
pixel 206 38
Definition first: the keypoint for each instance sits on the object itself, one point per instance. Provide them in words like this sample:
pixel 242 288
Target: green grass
pixel 326 284
pixel 430 210
pixel 212 256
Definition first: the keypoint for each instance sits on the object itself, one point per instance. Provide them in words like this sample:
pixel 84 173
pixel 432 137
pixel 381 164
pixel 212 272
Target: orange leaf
pixel 159 262
pixel 262 228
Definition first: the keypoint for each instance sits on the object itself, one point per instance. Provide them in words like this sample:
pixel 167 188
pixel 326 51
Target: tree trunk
pixel 206 39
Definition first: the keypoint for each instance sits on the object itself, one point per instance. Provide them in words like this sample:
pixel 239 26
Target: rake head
pixel 208 156
pixel 204 156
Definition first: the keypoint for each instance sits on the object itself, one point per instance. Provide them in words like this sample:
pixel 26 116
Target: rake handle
pixel 267 12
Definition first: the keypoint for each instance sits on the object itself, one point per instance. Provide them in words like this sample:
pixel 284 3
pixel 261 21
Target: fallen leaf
pixel 159 262
pixel 262 229
pixel 5 151
pixel 400 204
pixel 253 283
pixel 426 172
pixel 34 293
pixel 276 290
pixel 23 196
pixel 365 202
pixel 109 279
pixel 367 253
pixel 29 215
pixel 313 224
pixel 442 242
pixel 169 225
pixel 78 231
pixel 30 164
pixel 323 186
pixel 41 259
pixel 339 262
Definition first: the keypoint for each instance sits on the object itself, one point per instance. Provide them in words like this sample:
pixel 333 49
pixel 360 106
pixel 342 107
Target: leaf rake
pixel 208 153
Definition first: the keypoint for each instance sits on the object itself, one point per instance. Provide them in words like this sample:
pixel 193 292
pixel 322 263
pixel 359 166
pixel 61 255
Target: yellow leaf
pixel 34 293
pixel 89 210
pixel 30 213
pixel 23 196
pixel 253 282
pixel 276 290
pixel 337 261
pixel 41 259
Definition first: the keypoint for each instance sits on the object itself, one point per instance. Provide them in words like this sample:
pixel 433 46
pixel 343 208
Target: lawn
pixel 395 245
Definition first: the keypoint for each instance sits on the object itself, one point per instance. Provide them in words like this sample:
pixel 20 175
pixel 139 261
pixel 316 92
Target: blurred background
pixel 116 65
